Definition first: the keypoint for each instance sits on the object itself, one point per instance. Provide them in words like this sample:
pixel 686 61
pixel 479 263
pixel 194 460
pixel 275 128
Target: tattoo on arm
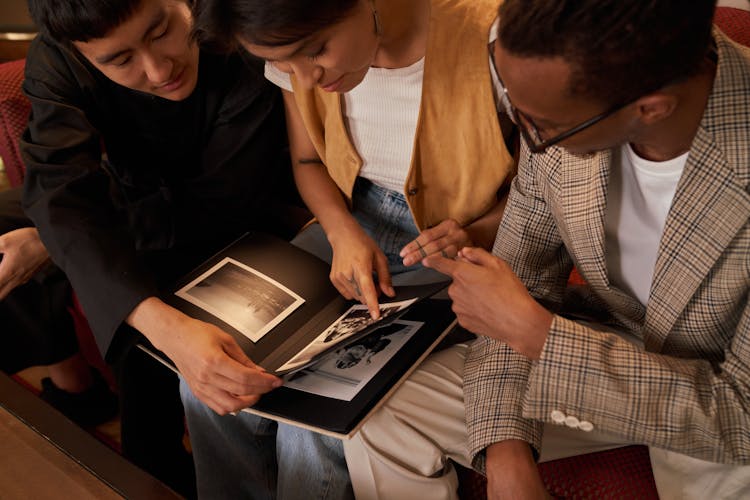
pixel 310 161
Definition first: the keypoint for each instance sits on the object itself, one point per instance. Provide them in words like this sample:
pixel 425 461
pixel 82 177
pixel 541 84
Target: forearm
pixel 512 472
pixel 158 322
pixel 323 198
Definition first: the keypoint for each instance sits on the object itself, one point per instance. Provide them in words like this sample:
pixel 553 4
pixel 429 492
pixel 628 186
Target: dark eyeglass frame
pixel 534 142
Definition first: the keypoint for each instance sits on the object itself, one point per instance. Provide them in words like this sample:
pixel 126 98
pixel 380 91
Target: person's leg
pixel 235 456
pixel 403 450
pixel 152 420
pixel 679 477
pixel 310 465
pixel 37 328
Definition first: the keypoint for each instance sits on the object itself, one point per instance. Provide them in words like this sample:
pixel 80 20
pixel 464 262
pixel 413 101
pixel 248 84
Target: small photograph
pixel 242 297
pixel 352 321
pixel 344 372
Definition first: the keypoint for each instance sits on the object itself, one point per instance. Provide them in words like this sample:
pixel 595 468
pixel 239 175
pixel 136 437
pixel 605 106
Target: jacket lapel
pixel 710 206
pixel 712 202
pixel 584 191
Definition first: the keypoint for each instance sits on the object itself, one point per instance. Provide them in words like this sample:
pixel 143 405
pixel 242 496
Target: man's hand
pixel 490 300
pixel 512 472
pixel 23 254
pixel 212 363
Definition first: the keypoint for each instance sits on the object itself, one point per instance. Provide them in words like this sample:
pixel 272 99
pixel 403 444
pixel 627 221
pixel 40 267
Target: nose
pixel 158 68
pixel 307 73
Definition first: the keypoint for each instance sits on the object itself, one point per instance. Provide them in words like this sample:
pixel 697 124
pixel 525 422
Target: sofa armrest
pixel 14 113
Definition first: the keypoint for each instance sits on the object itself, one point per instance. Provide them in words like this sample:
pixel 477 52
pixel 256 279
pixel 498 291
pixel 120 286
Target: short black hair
pixel 80 20
pixel 264 22
pixel 619 49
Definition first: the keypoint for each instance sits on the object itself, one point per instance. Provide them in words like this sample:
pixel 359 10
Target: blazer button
pixel 586 426
pixel 572 422
pixel 412 191
pixel 557 416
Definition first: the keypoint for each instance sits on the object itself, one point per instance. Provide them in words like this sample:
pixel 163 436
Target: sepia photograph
pixel 344 372
pixel 242 297
pixel 352 321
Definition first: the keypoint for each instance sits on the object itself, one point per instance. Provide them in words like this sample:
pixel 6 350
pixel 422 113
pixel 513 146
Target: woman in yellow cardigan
pixel 397 149
pixel 385 99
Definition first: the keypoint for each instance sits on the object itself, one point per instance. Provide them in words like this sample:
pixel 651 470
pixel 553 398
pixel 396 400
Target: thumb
pixel 441 264
pixel 477 256
pixel 235 352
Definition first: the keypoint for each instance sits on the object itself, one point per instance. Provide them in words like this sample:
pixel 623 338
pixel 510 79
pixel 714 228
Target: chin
pixel 184 91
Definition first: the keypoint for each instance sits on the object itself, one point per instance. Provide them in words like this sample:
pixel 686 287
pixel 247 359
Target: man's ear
pixel 656 107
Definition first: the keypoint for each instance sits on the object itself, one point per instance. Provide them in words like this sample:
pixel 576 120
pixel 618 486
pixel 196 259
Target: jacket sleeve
pixel 496 377
pixel 697 407
pixel 67 195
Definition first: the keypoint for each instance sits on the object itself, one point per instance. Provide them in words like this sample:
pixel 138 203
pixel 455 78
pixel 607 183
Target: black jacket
pixel 175 175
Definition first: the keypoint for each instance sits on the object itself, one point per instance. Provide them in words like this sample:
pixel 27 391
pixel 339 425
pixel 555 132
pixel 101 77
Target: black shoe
pixel 94 406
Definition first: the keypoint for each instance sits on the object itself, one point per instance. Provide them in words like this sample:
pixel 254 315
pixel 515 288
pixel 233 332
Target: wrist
pixel 536 322
pixel 343 229
pixel 155 320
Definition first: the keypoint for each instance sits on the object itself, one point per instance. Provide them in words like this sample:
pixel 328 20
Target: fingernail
pixel 277 383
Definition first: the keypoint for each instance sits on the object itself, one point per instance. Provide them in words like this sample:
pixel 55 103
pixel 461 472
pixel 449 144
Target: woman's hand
pixel 447 238
pixel 355 257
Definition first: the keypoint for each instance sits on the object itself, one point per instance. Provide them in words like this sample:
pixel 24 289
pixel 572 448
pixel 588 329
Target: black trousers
pixel 37 329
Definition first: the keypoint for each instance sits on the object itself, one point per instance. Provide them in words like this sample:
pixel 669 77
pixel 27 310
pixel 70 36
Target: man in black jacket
pixel 144 155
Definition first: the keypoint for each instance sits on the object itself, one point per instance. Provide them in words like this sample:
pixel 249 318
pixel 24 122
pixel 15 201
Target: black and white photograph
pixel 352 321
pixel 242 297
pixel 344 372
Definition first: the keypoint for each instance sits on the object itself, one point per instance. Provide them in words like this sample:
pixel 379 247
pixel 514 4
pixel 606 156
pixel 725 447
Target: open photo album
pixel 337 363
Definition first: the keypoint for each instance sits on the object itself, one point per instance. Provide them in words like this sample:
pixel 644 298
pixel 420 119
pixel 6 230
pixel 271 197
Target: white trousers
pixel 403 451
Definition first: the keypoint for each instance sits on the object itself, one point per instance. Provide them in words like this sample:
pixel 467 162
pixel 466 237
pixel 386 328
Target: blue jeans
pixel 385 217
pixel 246 456
pixel 251 457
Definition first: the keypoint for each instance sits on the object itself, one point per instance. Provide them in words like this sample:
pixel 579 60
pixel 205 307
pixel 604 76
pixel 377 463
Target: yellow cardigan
pixel 459 160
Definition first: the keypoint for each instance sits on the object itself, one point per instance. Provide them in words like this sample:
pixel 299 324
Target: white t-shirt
pixel 639 196
pixel 381 115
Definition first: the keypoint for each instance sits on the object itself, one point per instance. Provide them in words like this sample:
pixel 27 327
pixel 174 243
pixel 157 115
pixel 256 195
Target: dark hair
pixel 80 20
pixel 265 22
pixel 619 49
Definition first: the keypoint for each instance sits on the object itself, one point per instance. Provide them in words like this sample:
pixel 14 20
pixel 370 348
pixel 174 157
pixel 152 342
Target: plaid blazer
pixel 688 389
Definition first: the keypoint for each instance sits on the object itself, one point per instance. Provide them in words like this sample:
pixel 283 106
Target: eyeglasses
pixel 528 128
pixel 530 131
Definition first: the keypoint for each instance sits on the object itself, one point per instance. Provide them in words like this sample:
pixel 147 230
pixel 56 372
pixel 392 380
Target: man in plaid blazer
pixel 635 169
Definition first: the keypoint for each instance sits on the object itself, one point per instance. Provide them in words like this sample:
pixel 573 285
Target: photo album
pixel 337 363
